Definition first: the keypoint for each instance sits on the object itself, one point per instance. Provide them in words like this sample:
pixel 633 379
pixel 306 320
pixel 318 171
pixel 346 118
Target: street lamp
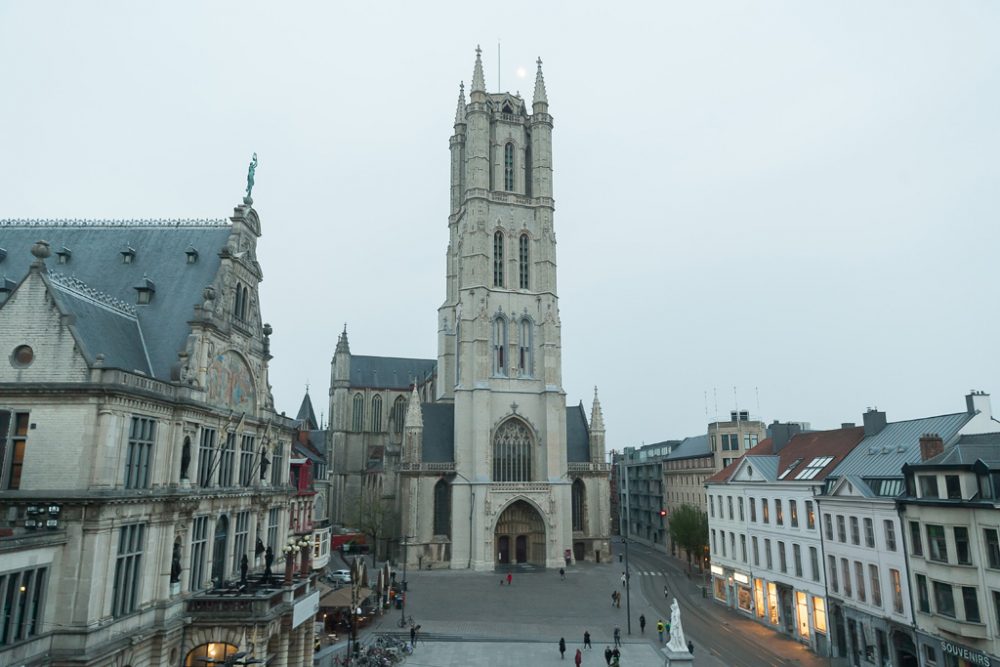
pixel 628 596
pixel 402 607
pixel 290 549
pixel 359 577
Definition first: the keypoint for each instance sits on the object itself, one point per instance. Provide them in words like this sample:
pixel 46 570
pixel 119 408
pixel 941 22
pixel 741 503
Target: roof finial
pixel 460 111
pixel 478 81
pixel 540 97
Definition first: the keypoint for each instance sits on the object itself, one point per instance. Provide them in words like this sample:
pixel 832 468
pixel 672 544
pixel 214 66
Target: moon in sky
pixel 521 72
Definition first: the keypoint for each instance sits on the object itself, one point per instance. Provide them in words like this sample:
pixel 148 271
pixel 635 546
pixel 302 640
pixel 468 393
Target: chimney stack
pixel 931 445
pixel 874 422
pixel 978 401
pixel 781 434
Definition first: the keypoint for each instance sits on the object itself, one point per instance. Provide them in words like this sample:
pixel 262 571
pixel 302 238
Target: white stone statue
pixel 677 641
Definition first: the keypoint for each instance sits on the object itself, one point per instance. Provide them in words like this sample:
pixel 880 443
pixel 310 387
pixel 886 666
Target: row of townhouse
pixel 144 472
pixel 807 537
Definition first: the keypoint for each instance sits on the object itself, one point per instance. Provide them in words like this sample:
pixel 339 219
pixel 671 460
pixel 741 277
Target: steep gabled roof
pixel 96 262
pixel 439 432
pixel 898 443
pixel 389 372
pixel 693 446
pixel 807 452
pixel 577 434
pixel 983 447
pixel 306 413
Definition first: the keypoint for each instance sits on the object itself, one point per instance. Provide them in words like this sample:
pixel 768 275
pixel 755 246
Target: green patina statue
pixel 248 200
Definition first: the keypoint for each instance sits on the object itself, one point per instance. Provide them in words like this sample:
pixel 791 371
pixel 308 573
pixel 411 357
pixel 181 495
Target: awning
pixel 341 597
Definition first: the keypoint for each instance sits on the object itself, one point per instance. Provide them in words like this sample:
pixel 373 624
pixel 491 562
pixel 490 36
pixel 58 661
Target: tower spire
pixel 540 97
pixel 478 81
pixel 460 111
pixel 596 418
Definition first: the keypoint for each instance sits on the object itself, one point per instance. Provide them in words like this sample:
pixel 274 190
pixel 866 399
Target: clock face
pixel 231 384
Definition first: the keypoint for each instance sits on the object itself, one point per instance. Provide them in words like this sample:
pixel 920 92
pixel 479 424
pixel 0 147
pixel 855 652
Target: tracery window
pixel 522 256
pixel 498 259
pixel 377 414
pixel 358 415
pixel 442 508
pixel 512 452
pixel 579 504
pixel 508 167
pixel 500 345
pixel 398 414
pixel 524 361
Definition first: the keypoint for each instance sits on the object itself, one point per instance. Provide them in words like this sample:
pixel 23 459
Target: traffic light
pixel 663 513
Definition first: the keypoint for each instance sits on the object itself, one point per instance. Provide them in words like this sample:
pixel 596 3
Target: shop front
pixel 938 652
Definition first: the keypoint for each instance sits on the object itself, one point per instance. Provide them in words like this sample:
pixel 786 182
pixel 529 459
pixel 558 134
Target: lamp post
pixel 628 596
pixel 290 549
pixel 305 546
pixel 359 578
pixel 402 607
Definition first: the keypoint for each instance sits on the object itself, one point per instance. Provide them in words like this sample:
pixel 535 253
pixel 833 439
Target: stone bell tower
pixel 499 349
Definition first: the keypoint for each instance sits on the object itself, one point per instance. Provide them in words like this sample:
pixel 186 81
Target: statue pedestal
pixel 674 658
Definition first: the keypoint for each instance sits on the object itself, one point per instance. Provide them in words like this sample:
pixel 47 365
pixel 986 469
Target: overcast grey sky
pixel 795 199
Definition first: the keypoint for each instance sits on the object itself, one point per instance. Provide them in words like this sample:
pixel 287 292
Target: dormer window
pixel 128 255
pixel 145 290
pixel 6 287
pixel 64 254
pixel 192 254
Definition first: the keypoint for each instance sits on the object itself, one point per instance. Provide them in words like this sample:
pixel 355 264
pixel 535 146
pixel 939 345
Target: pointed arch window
pixel 508 167
pixel 358 415
pixel 398 417
pixel 524 347
pixel 579 504
pixel 442 508
pixel 498 259
pixel 377 414
pixel 513 448
pixel 522 257
pixel 500 345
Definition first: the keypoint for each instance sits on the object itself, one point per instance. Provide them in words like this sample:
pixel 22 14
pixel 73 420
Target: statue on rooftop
pixel 248 200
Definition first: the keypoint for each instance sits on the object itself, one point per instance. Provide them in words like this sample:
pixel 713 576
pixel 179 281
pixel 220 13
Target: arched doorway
pixel 219 550
pixel 520 535
pixel 213 652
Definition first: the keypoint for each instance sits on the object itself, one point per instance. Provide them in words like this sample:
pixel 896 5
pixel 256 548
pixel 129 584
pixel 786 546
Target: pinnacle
pixel 478 81
pixel 460 111
pixel 540 96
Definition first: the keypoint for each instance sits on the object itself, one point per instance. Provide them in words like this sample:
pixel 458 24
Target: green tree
pixel 689 530
pixel 376 518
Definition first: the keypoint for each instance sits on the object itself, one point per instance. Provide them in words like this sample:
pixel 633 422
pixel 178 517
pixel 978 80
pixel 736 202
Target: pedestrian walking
pixel 510 578
pixel 666 592
pixel 690 647
pixel 618 637
pixel 607 654
pixel 642 623
pixel 586 640
pixel 660 628
pixel 614 597
pixel 619 599
pixel 413 637
pixel 579 658
pixel 562 648
pixel 615 655
pixel 623 580
pixel 562 573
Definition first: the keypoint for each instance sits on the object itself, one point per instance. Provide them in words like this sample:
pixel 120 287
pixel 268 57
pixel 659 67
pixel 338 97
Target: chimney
pixel 874 422
pixel 847 425
pixel 978 401
pixel 744 415
pixel 733 415
pixel 781 434
pixel 931 445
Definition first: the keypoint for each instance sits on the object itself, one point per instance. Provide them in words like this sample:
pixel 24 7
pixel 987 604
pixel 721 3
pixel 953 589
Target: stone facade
pixel 142 457
pixel 491 468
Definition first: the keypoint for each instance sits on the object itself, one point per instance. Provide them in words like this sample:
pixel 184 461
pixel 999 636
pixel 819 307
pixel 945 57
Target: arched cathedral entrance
pixel 520 535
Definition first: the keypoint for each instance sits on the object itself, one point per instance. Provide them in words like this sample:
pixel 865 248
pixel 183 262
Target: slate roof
pixel 696 445
pixel 968 450
pixel 885 453
pixel 103 326
pixel 95 260
pixel 439 432
pixel 389 372
pixel 577 435
pixel 837 443
pixel 306 413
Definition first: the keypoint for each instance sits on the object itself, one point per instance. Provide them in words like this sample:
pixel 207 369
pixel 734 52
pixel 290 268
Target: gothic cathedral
pixel 479 463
